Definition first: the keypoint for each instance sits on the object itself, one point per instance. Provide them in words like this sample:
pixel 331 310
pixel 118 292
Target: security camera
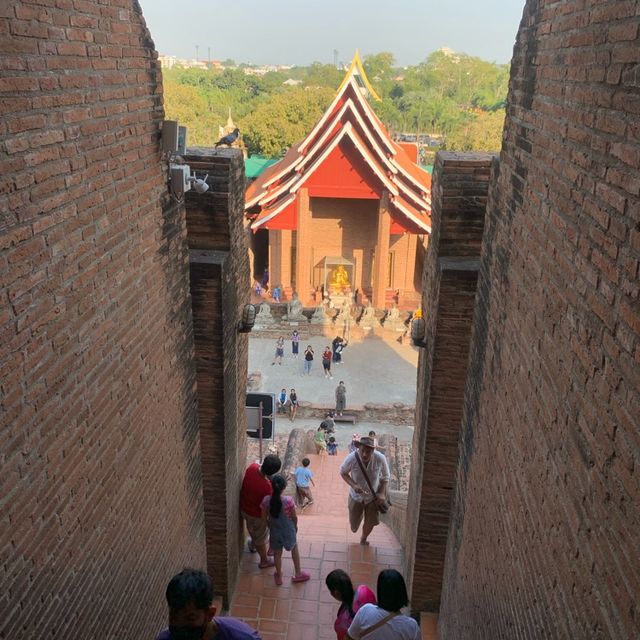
pixel 199 184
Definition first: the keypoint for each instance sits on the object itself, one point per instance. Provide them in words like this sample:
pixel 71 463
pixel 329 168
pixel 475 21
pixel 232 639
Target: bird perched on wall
pixel 230 138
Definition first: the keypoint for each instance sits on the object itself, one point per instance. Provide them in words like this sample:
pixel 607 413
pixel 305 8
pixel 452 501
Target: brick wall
pixel 460 188
pixel 544 542
pixel 101 482
pixel 219 259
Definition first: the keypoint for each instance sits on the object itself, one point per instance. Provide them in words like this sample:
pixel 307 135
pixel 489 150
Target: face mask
pixel 187 633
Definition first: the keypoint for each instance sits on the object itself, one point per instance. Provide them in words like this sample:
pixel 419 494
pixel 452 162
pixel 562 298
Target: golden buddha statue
pixel 339 279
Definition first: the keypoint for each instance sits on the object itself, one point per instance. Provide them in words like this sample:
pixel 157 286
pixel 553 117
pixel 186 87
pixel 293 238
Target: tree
pixel 482 132
pixel 277 123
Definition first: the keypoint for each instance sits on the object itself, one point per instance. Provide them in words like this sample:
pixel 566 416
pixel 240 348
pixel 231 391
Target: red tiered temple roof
pixel 348 154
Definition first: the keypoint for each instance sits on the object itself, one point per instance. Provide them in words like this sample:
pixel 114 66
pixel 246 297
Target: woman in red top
pixel 326 362
pixel 256 484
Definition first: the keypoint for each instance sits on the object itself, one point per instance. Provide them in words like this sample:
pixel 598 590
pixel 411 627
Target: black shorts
pixel 326 364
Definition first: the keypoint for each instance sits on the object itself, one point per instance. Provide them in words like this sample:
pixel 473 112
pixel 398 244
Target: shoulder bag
pixel 383 506
pixel 377 625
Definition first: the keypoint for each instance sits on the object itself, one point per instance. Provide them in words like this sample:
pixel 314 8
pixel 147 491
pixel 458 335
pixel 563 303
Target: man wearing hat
pixel 362 502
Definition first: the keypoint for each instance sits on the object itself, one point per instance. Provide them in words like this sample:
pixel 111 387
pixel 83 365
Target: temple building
pixel 346 213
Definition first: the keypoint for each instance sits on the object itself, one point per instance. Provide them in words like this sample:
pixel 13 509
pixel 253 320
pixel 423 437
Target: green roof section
pixel 427 167
pixel 255 165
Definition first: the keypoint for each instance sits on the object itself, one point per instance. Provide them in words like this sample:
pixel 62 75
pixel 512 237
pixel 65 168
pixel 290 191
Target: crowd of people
pixel 272 522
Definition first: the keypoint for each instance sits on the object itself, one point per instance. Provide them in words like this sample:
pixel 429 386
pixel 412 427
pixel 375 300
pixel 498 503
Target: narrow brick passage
pixel 307 611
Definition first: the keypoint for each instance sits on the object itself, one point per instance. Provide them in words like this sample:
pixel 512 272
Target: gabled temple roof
pixel 348 153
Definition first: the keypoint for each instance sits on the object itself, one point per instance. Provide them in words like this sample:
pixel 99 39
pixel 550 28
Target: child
pixel 295 344
pixel 191 613
pixel 341 588
pixel 332 447
pixel 280 513
pixel 304 476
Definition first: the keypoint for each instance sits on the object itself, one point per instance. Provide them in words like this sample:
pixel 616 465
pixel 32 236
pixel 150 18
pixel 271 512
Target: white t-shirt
pixel 398 628
pixel 377 470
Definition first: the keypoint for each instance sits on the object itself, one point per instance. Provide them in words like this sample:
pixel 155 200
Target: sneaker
pixel 303 576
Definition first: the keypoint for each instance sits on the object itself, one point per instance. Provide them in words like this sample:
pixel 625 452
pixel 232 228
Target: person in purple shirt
pixel 191 612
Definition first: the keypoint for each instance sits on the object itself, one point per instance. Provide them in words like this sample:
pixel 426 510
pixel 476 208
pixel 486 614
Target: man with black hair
pixel 256 485
pixel 191 612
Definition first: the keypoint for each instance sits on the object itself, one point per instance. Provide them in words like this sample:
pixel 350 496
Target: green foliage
pixel 286 118
pixel 456 96
pixel 482 132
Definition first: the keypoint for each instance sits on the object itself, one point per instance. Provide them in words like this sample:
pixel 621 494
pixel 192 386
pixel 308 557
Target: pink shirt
pixel 363 595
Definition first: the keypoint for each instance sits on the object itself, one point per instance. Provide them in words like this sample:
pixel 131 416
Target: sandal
pixel 265 565
pixel 277 578
pixel 303 576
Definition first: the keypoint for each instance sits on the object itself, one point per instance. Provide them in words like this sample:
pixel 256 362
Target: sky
pixel 304 31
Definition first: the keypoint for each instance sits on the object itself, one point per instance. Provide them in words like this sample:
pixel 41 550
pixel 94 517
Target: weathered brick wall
pixel 99 452
pixel 544 542
pixel 219 258
pixel 460 188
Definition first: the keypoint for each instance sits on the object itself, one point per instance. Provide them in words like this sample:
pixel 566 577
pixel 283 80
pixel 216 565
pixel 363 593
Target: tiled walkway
pixel 307 611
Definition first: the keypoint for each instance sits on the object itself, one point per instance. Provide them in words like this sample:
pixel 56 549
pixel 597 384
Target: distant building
pixel 347 211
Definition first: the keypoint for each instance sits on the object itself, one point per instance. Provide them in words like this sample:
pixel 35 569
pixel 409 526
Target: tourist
pixel 332 446
pixel 337 346
pixel 255 486
pixel 341 398
pixel 384 621
pixel 320 441
pixel 280 512
pixel 364 500
pixel 279 351
pixel 308 360
pixel 295 344
pixel 282 400
pixel 328 425
pixel 258 289
pixel 189 595
pixel 326 362
pixel 304 477
pixel 277 293
pixel 372 435
pixel 293 404
pixel 265 279
pixel 341 588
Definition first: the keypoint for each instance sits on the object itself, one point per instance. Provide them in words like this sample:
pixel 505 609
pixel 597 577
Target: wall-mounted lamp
pixel 418 332
pixel 248 319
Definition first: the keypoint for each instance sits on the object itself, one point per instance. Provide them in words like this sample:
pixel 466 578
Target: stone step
pixel 429 626
pixel 345 417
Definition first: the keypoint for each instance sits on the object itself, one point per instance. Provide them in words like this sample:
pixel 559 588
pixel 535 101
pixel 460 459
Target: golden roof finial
pixel 356 69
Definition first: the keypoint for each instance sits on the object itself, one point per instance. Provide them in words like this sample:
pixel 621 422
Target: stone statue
pixel 368 320
pixel 294 310
pixel 339 281
pixel 264 317
pixel 344 315
pixel 320 317
pixel 393 321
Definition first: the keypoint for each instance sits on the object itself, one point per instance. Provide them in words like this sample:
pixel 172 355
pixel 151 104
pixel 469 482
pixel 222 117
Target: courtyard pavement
pixel 373 370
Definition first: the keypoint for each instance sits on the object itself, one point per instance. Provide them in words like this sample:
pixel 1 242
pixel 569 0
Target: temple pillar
pixel 382 253
pixel 303 247
pixel 285 261
pixel 275 253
